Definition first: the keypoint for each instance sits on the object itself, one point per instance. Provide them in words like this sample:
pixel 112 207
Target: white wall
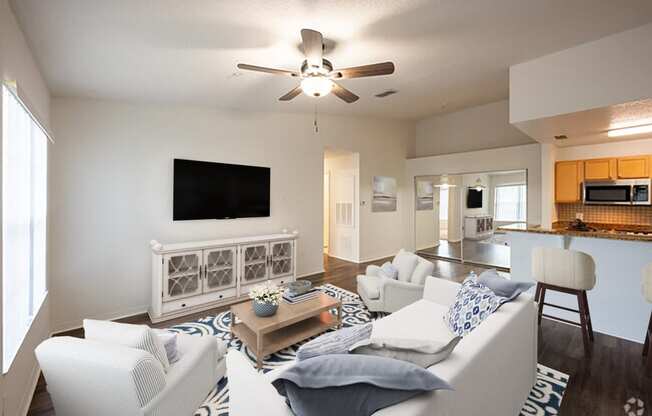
pixel 17 63
pixel 612 70
pixel 483 127
pixel 112 189
pixel 527 157
pixel 613 149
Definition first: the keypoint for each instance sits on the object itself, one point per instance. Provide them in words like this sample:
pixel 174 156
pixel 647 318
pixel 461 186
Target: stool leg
pixel 584 326
pixel 648 341
pixel 542 299
pixel 588 315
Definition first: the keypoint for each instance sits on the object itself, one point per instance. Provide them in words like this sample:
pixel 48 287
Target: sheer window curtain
pixel 24 207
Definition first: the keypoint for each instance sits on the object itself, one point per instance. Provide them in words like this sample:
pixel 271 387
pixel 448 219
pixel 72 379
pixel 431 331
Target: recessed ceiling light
pixel 629 131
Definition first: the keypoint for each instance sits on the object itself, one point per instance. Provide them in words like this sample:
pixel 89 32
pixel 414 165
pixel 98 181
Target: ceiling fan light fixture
pixel 316 86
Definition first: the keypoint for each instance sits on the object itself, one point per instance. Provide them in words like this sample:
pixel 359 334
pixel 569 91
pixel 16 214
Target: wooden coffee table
pixel 290 324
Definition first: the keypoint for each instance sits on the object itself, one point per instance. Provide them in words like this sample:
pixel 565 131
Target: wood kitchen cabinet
pixel 600 169
pixel 633 167
pixel 568 177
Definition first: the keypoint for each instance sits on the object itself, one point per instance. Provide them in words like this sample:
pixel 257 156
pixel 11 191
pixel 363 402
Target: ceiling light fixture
pixel 316 86
pixel 628 131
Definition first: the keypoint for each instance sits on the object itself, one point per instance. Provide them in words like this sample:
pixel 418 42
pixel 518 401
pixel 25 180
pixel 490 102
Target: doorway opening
pixel 340 211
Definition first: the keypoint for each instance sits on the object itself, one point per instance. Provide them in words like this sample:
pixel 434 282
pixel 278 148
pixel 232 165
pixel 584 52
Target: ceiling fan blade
pixel 290 95
pixel 313 47
pixel 343 93
pixel 384 68
pixel 274 71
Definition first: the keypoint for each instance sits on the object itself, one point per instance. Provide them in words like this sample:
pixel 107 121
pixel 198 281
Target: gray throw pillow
pixel 423 353
pixel 389 270
pixel 352 384
pixel 502 287
pixel 169 340
pixel 336 342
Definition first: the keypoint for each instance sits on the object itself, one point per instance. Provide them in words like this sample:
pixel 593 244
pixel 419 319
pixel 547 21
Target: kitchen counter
pixel 617 305
pixel 609 231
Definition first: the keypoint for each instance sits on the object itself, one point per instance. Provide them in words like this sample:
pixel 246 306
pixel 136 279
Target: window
pixel 24 206
pixel 510 202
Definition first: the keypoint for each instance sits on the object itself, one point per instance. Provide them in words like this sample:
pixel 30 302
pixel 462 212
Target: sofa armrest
pixel 250 392
pixel 99 374
pixel 373 270
pixel 397 294
pixel 440 290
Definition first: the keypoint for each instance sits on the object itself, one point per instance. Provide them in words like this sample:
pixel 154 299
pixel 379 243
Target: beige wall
pixel 112 190
pixel 477 128
pixel 17 63
pixel 612 70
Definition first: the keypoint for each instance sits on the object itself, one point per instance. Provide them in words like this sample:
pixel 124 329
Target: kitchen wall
pixel 606 214
pixel 477 128
pixel 17 63
pixel 112 190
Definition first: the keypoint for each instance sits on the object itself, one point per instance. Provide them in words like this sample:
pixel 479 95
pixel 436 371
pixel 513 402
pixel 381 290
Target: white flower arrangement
pixel 267 293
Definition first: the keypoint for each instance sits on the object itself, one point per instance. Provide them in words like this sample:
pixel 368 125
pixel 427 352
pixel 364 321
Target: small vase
pixel 263 309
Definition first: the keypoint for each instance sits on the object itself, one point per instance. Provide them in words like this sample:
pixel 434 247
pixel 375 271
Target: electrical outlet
pixel 579 216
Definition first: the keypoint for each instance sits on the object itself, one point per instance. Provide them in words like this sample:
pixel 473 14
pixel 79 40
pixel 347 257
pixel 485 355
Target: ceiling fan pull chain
pixel 315 123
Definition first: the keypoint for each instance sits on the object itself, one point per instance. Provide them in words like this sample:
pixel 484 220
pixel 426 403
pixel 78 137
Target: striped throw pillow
pixel 336 342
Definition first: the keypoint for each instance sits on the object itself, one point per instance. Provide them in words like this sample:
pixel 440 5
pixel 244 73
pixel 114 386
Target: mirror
pixel 457 216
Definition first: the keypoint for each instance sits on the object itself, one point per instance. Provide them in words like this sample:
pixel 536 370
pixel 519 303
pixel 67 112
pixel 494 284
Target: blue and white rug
pixel 544 399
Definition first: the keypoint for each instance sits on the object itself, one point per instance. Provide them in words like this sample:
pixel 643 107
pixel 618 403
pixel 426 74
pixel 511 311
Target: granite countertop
pixel 609 231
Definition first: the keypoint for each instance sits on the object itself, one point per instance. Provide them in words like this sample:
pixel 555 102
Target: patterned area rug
pixel 544 399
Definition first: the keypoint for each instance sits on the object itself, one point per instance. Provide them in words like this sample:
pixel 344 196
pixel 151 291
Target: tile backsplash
pixel 606 214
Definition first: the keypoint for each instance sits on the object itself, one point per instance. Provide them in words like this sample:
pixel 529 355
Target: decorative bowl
pixel 300 286
pixel 264 309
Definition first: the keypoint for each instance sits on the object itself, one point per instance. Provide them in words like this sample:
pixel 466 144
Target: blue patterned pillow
pixel 473 304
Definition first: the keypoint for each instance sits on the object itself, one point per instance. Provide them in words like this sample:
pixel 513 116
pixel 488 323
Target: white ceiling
pixel 449 54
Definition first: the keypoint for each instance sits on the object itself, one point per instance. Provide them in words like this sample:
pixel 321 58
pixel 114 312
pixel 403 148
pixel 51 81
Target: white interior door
pixel 343 238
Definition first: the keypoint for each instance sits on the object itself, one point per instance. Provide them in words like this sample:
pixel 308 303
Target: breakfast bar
pixel 620 254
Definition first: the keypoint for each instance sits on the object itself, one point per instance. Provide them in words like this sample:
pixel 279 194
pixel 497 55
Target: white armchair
pixel 87 377
pixel 384 294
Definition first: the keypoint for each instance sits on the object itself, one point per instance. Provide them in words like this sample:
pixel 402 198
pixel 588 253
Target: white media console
pixel 196 276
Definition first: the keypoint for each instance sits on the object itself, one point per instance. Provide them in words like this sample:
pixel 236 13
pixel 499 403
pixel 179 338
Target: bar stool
pixel 566 271
pixel 647 293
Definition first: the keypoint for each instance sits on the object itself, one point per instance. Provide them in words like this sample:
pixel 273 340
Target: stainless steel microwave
pixel 618 192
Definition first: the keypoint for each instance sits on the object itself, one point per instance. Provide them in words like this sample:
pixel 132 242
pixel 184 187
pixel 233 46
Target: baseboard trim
pixel 368 260
pixel 343 258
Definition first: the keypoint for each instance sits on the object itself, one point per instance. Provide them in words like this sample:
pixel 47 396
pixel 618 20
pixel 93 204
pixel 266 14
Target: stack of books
pixel 291 298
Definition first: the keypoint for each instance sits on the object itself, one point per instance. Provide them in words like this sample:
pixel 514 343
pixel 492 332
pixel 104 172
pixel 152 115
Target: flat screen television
pixel 474 198
pixel 207 190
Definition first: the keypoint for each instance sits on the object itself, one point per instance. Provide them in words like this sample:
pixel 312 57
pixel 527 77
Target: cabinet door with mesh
pixel 254 263
pixel 282 258
pixel 219 269
pixel 182 275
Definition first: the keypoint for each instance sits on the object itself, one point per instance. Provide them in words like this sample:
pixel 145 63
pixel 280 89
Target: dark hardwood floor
pixel 599 385
pixel 479 252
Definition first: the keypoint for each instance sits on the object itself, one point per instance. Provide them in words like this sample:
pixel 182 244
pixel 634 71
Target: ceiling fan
pixel 317 74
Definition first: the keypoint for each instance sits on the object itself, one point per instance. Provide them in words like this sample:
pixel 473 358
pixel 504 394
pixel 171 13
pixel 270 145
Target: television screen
pixel 207 190
pixel 474 198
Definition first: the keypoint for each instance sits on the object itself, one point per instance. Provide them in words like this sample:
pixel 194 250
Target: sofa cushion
pixel 370 286
pixel 133 336
pixel 423 353
pixel 410 320
pixel 424 269
pixel 405 262
pixel 502 287
pixel 473 304
pixel 336 342
pixel 352 385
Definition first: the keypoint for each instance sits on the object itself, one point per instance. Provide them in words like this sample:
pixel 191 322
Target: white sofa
pixel 492 369
pixel 382 294
pixel 92 378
